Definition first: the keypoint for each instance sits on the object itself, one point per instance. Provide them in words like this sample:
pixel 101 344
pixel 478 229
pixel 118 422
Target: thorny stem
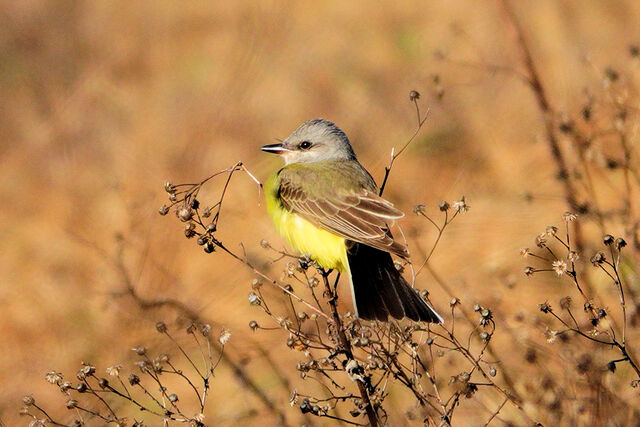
pixel 346 346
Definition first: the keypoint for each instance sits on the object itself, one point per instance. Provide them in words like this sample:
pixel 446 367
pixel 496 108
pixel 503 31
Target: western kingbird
pixel 326 205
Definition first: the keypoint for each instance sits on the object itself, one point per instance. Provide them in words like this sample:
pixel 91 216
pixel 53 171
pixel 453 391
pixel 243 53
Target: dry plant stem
pixel 346 346
pixel 535 84
pixel 394 156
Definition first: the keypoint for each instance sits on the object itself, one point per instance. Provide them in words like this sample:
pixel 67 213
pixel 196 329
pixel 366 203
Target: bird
pixel 327 206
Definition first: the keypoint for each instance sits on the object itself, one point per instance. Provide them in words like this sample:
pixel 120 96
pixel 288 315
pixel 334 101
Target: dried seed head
pixel 173 398
pixel 140 350
pixel 168 187
pixel 461 205
pixel 134 379
pixel 163 210
pixel 454 301
pixel 529 271
pixel 81 387
pixel 71 404
pixel 184 213
pixel 620 243
pixel 191 328
pixel 611 366
pixel 53 377
pixel 598 258
pixel 28 400
pixel 608 239
pixel 524 252
pixel 545 307
pixel 224 337
pixel 88 370
pixel 444 206
pixel 565 303
pixel 253 325
pixel 205 330
pixel 560 267
pixel 414 95
pixel 419 209
pixel 573 256
pixel 209 248
pixel 161 327
pixel 103 383
pixel 569 217
pixel 551 230
pixel 254 299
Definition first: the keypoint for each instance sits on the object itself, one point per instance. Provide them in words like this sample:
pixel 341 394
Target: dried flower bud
pixel 524 252
pixel 461 205
pixel 608 239
pixel 209 248
pixel 103 383
pixel 253 325
pixel 161 327
pixel 206 212
pixel 598 259
pixel 254 299
pixel 184 213
pixel 529 271
pixel 611 366
pixel 191 328
pixel 620 243
pixel 565 303
pixel 414 95
pixel 28 400
pixel 173 398
pixel 168 187
pixel 194 203
pixel 573 256
pixel 265 244
pixel 201 241
pixel 205 330
pixel 224 337
pixel 419 209
pixel 163 210
pixel 569 217
pixel 134 379
pixel 545 307
pixel 288 289
pixel 89 370
pixel 140 350
pixel 493 371
pixel 71 404
pixel 81 387
pixel 444 206
pixel 454 301
pixel 190 230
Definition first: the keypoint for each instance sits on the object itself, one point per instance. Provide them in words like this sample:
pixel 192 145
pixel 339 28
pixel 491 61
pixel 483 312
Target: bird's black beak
pixel 275 148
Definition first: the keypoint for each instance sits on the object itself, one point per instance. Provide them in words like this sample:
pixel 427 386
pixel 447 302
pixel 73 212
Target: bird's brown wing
pixel 360 216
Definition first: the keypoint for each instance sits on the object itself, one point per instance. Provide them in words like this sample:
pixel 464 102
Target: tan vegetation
pixel 532 113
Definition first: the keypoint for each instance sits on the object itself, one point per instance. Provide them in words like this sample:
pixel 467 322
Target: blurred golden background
pixel 101 102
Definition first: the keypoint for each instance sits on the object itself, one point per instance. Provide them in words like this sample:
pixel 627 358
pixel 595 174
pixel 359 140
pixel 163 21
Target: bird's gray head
pixel 314 141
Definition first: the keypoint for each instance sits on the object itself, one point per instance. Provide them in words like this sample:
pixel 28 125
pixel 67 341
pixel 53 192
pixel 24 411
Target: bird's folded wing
pixel 358 216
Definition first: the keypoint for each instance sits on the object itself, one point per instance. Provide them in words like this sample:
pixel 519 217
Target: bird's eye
pixel 305 145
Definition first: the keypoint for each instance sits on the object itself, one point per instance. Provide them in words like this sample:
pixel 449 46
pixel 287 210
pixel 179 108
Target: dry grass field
pixel 102 102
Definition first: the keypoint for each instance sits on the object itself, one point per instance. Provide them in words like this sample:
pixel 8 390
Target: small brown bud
pixel 103 383
pixel 529 271
pixel 253 325
pixel 209 248
pixel 545 307
pixel 620 243
pixel 71 404
pixel 28 400
pixel 134 379
pixel 205 330
pixel 161 327
pixel 414 95
pixel 163 210
pixel 173 398
pixel 608 239
pixel 140 350
pixel 444 206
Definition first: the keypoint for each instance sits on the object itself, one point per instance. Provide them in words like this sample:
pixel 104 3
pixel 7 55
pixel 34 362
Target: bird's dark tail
pixel 380 291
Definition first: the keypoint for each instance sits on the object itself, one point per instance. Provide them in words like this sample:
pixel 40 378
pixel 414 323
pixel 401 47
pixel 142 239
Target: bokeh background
pixel 101 102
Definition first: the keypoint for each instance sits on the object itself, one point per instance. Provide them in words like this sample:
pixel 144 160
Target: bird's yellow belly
pixel 325 248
